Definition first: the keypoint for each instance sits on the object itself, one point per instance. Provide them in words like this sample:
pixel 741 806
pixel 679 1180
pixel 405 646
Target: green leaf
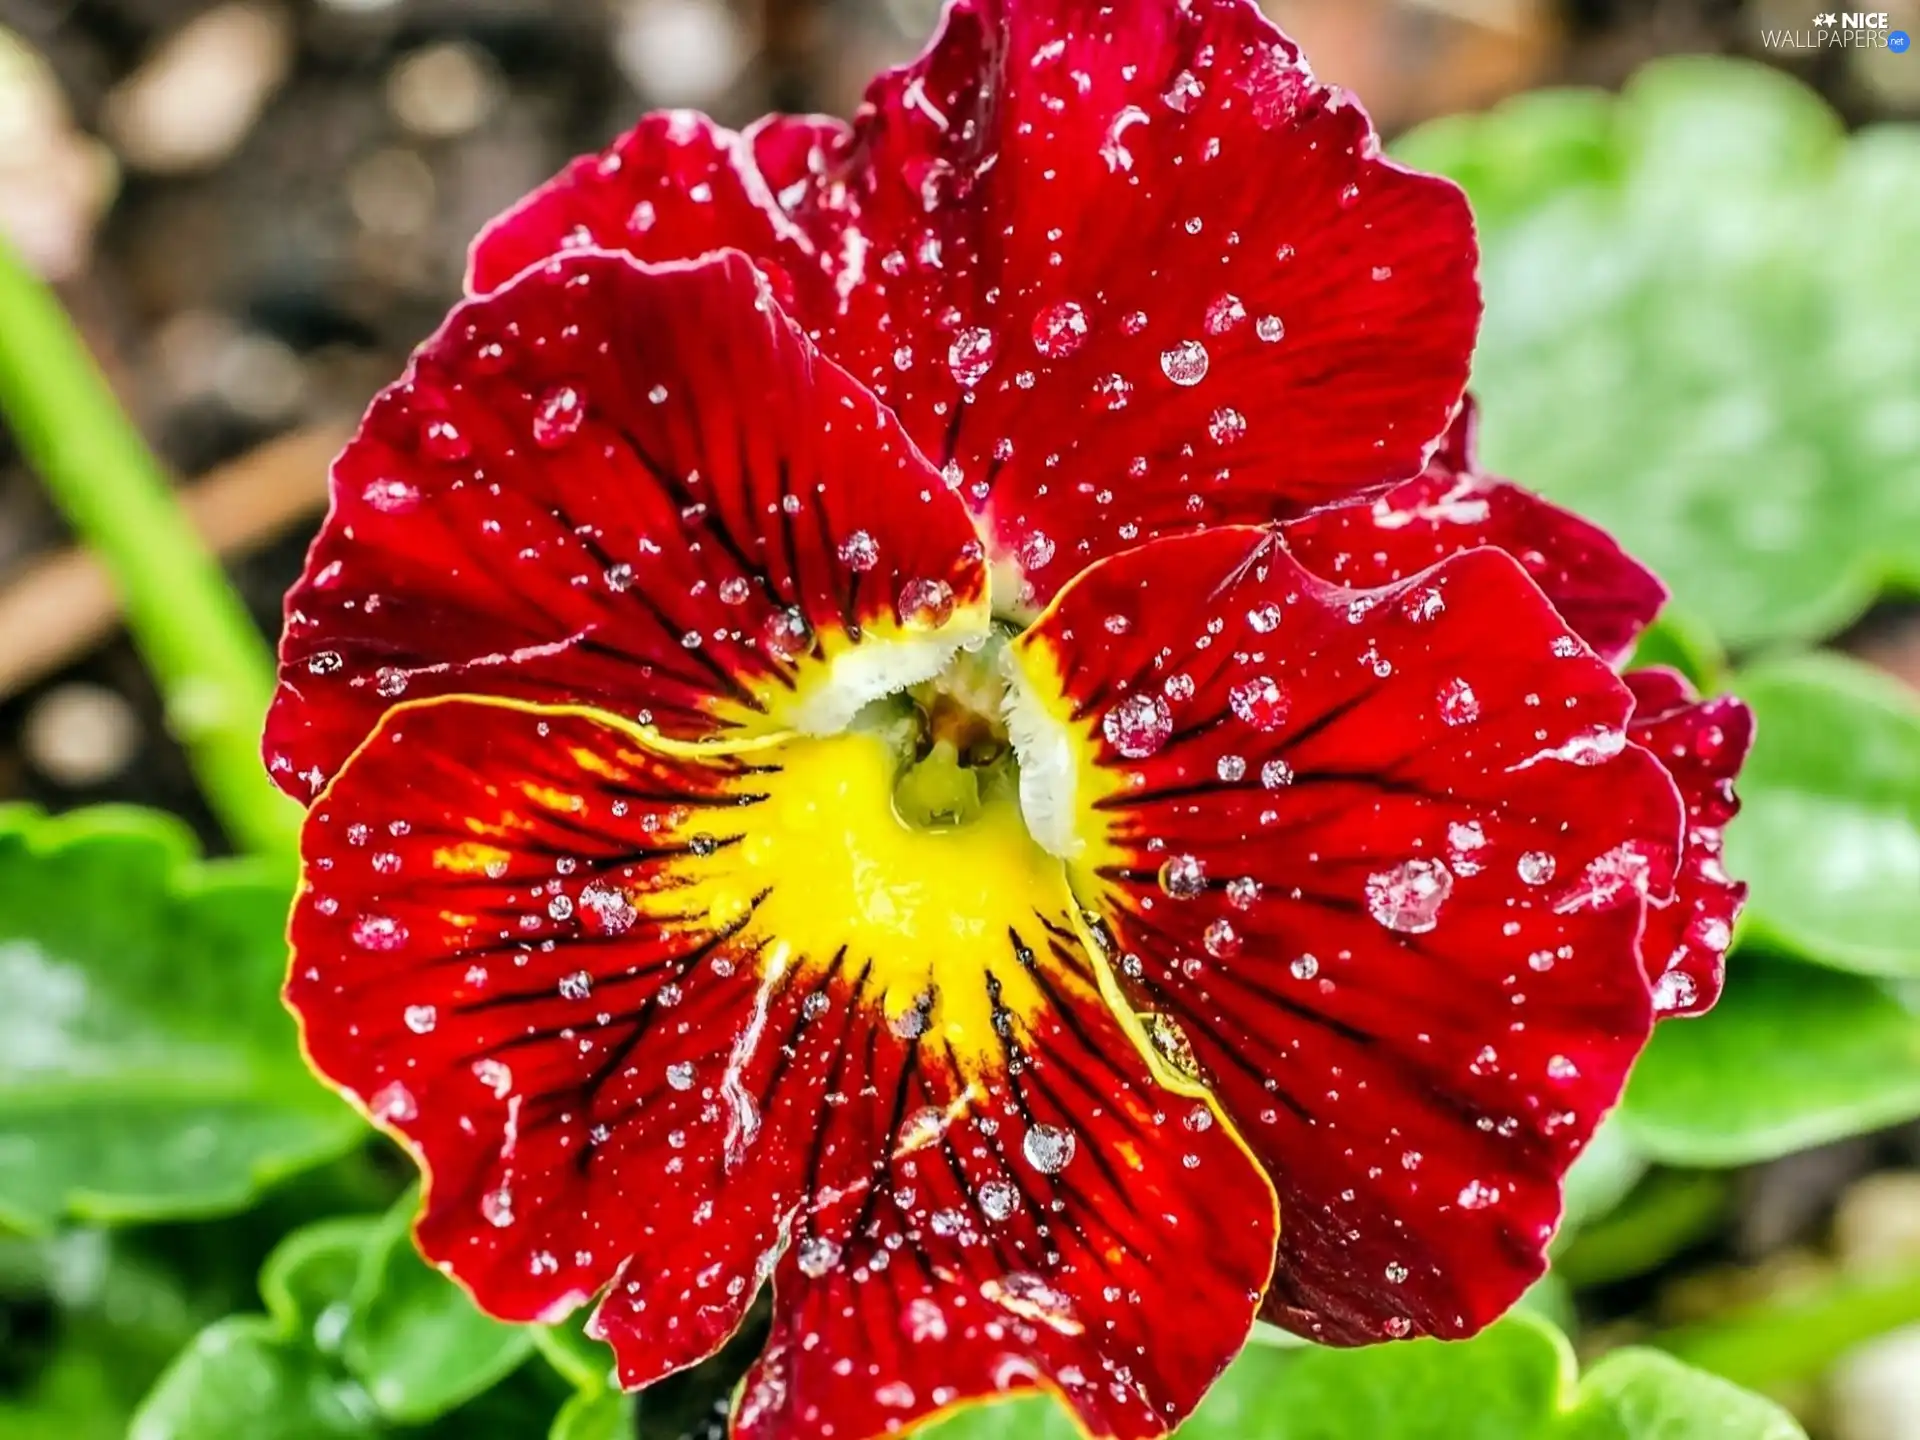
pixel 242 1377
pixel 1513 1382
pixel 415 1340
pixel 596 1415
pixel 1699 333
pixel 147 1069
pixel 1792 1057
pixel 1645 1395
pixel 580 1360
pixel 1830 834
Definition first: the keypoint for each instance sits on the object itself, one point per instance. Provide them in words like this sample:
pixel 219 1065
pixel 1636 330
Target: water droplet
pixel 577 986
pixel 1458 704
pixel 1060 329
pixel 926 604
pixel 971 355
pixel 558 417
pixel 817 1255
pixel 1225 314
pixel 1276 774
pixel 1184 93
pixel 1478 1195
pixel 1049 1149
pixel 442 440
pixel 786 635
pixel 1231 768
pixel 1408 897
pixel 1396 1272
pixel 1186 363
pixel 393 1103
pixel 421 1018
pixel 1270 328
pixel 735 590
pixel 680 1075
pixel 1242 892
pixel 325 662
pixel 1139 726
pixel 606 908
pixel 390 497
pixel 378 932
pixel 1260 702
pixel 1036 551
pixel 1675 991
pixel 997 1199
pixel 860 551
pixel 1184 877
pixel 1536 867
pixel 1222 940
pixel 1227 425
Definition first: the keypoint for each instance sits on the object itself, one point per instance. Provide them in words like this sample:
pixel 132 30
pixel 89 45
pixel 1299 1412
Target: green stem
pixel 214 670
pixel 1795 1337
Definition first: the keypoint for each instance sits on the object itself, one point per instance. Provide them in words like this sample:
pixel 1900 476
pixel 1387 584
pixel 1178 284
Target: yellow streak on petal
pixel 471 857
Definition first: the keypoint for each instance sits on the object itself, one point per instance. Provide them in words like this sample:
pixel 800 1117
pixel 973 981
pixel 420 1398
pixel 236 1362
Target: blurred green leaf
pixel 1513 1382
pixel 1700 332
pixel 596 1415
pixel 1667 1213
pixel 580 1360
pixel 1793 1056
pixel 242 1378
pixel 1645 1395
pixel 1830 834
pixel 415 1340
pixel 147 1069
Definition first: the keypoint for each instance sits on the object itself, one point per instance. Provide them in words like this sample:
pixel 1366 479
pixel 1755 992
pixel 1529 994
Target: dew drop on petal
pixel 442 440
pixel 1407 898
pixel 393 1103
pixel 1536 867
pixel 1398 1327
pixel 1183 93
pixel 1139 726
pixel 735 590
pixel 1478 1195
pixel 325 662
pixel 576 986
pixel 1675 991
pixel 971 355
pixel 1060 329
pixel 496 1206
pixel 786 635
pixel 1186 363
pixel 680 1075
pixel 558 416
pixel 817 1255
pixel 860 551
pixel 1231 768
pixel 1036 551
pixel 997 1199
pixel 1305 967
pixel 378 932
pixel 1260 702
pixel 1227 425
pixel 421 1018
pixel 1225 314
pixel 1222 940
pixel 926 604
pixel 1049 1149
pixel 1458 704
pixel 1270 328
pixel 1184 877
pixel 1264 619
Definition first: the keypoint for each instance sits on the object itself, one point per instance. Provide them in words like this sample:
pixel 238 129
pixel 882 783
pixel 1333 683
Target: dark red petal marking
pixel 637 489
pixel 1703 744
pixel 1381 855
pixel 619 1007
pixel 1606 597
pixel 1121 270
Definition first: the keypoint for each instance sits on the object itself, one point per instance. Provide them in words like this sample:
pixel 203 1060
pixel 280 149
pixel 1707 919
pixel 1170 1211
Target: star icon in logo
pixel 1827 20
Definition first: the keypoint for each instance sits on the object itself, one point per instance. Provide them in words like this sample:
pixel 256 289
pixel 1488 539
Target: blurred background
pixel 1704 328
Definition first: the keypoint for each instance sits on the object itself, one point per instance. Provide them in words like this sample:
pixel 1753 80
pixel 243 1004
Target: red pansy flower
pixel 890 709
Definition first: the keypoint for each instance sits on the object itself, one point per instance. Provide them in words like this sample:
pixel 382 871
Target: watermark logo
pixel 1843 30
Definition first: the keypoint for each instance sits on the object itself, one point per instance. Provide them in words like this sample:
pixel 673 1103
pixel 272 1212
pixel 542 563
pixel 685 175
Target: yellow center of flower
pixel 943 927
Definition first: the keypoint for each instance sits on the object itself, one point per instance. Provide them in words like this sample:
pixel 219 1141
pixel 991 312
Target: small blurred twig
pixel 59 607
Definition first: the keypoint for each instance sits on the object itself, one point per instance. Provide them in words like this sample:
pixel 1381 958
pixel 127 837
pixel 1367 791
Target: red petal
pixel 636 1018
pixel 606 485
pixel 1703 743
pixel 1126 272
pixel 675 187
pixel 1380 855
pixel 1605 595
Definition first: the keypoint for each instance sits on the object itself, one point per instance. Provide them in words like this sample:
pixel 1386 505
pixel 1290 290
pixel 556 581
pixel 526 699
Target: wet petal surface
pixel 1703 744
pixel 1376 861
pixel 638 489
pixel 1606 597
pixel 1120 271
pixel 663 1027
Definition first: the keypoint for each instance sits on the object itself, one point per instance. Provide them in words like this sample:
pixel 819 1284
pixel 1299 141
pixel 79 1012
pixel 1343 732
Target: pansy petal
pixel 1606 596
pixel 675 187
pixel 1376 860
pixel 1703 744
pixel 634 488
pixel 1121 271
pixel 665 1024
